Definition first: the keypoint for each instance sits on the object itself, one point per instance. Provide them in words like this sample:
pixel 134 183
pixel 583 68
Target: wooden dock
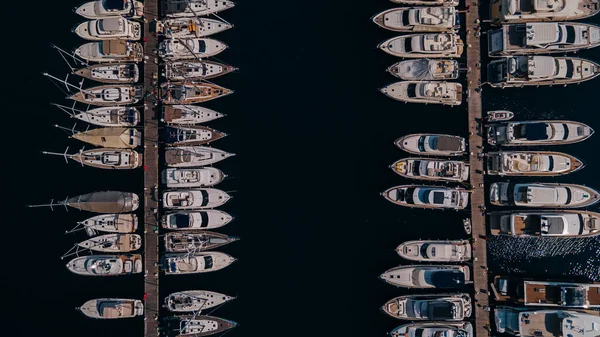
pixel 151 174
pixel 480 276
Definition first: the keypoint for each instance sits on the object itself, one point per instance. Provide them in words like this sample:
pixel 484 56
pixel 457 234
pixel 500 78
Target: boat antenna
pixel 65 154
pixel 51 204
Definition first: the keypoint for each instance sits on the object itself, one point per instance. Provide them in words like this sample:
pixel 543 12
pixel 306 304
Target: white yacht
pixel 435 250
pixel 113 243
pixel 434 329
pixel 109 95
pixel 190 49
pixel 425 70
pixel 432 169
pixel 109 29
pixel 184 242
pixel 544 195
pixel 546 293
pixel 542 38
pixel 106 265
pixel 192 177
pixel 432 144
pixel 111 51
pixel 195 220
pixel 202 262
pixel 189 156
pixel 516 11
pixel 531 163
pixel 188 114
pixel 433 197
pixel 110 9
pixel 196 70
pixel 425 92
pixel 428 276
pixel 114 116
pixel 112 308
pixel 545 223
pixel 427 2
pixel 110 73
pixel 111 223
pixel 418 19
pixel 522 70
pixel 189 28
pixel 424 45
pixel 194 198
pixel 542 132
pixel 441 307
pixel 195 300
pixel 193 8
pixel 111 159
pixel 527 322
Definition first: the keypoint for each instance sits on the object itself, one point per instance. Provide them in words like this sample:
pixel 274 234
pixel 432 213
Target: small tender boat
pixel 191 92
pixel 111 51
pixel 192 177
pixel 425 70
pixel 193 8
pixel 113 116
pixel 188 114
pixel 527 11
pixel 434 197
pixel 442 307
pixel 191 135
pixel 467 226
pixel 189 28
pixel 111 73
pixel 195 198
pixel 499 115
pixel 428 276
pixel 201 262
pixel 111 137
pixel 545 223
pixel 188 156
pixel 543 132
pixel 192 49
pixel 109 95
pixel 111 9
pixel 432 144
pixel 426 92
pixel 544 195
pixel 434 329
pixel 418 19
pixel 179 242
pixel 435 250
pixel 195 220
pixel 116 28
pixel 196 70
pixel 531 163
pixel 106 265
pixel 112 308
pixel 113 243
pixel 200 326
pixel 432 169
pixel 427 2
pixel 195 300
pixel 424 45
pixel 112 223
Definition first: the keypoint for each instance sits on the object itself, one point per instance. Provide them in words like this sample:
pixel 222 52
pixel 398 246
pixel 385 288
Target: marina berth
pixel 109 95
pixel 116 28
pixel 425 70
pixel 111 51
pixel 432 197
pixel 434 329
pixel 542 132
pixel 192 177
pixel 441 307
pixel 196 70
pixel 568 224
pixel 427 2
pixel 435 250
pixel 424 45
pixel 190 49
pixel 428 276
pixel 128 138
pixel 195 300
pixel 430 144
pixel 111 223
pixel 418 19
pixel 519 71
pixel 110 73
pixel 191 135
pixel 543 195
pixel 526 322
pixel 188 114
pixel 426 92
pixel 201 262
pixel 113 243
pixel 542 38
pixel 188 28
pixel 517 11
pixel 112 308
pixel 194 198
pixel 191 92
pixel 531 163
pixel 195 220
pixel 180 242
pixel 111 159
pixel 189 156
pixel 111 9
pixel 199 326
pixel 106 265
pixel 432 169
pixel 193 8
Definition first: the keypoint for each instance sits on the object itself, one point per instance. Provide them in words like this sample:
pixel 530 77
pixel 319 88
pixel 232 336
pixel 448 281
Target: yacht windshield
pixel 115 5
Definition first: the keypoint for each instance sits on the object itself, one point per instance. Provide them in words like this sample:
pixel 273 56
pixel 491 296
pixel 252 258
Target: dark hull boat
pixel 185 242
pixel 199 326
pixel 191 135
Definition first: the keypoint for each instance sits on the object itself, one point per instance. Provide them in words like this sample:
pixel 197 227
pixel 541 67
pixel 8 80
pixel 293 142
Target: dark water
pixel 314 140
